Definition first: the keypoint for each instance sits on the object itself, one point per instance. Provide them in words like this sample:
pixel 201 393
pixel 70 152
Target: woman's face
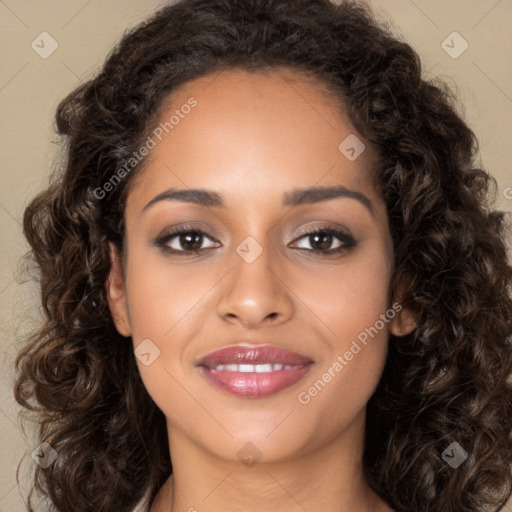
pixel 258 145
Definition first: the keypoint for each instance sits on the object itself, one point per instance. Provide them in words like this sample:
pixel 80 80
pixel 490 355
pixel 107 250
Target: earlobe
pixel 403 323
pixel 116 295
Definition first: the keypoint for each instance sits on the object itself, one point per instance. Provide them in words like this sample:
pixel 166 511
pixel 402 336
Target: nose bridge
pixel 254 292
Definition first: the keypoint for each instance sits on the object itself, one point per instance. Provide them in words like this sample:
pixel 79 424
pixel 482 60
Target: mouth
pixel 253 371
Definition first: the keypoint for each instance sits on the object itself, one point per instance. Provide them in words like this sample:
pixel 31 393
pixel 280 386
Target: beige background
pixel 31 87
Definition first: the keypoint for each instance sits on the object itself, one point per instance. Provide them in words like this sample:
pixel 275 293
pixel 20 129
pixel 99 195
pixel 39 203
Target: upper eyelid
pixel 171 234
pixel 187 229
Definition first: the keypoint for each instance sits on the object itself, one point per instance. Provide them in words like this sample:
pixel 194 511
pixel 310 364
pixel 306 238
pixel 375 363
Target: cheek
pixel 168 304
pixel 348 297
pixel 351 310
pixel 161 295
pixel 165 304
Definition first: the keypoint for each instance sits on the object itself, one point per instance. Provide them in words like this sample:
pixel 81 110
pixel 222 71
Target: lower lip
pixel 252 384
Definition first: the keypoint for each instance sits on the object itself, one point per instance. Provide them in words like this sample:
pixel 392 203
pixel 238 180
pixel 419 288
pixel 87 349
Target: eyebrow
pixel 296 197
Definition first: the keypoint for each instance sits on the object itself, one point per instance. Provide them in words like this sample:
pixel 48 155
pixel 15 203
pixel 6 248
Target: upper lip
pixel 253 354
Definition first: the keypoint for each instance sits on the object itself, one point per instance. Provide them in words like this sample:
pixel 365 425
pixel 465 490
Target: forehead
pixel 253 133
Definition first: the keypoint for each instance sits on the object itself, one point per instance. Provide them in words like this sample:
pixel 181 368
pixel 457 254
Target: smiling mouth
pixel 254 371
pixel 256 368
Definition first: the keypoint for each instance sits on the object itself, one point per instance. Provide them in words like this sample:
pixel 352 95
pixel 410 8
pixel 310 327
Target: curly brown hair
pixel 444 382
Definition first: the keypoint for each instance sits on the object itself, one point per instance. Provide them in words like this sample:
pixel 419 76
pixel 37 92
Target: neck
pixel 329 478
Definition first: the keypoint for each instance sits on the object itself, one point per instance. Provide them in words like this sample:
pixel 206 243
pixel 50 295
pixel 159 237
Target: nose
pixel 254 294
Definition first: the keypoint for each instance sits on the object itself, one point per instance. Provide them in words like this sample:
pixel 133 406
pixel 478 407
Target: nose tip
pixel 254 295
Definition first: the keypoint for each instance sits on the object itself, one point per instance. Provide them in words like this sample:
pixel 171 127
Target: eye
pixel 184 241
pixel 187 240
pixel 321 240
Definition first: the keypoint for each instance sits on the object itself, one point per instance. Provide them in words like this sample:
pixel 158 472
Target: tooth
pixel 263 368
pixel 258 368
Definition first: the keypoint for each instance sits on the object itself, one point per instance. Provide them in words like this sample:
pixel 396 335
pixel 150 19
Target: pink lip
pixel 253 384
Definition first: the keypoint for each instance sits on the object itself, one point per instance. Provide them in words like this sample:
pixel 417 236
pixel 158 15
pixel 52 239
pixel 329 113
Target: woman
pixel 271 276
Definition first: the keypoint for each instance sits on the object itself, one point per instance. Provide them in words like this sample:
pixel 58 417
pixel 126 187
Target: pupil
pixel 187 241
pixel 326 240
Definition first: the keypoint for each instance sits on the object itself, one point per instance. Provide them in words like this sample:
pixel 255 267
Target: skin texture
pixel 252 138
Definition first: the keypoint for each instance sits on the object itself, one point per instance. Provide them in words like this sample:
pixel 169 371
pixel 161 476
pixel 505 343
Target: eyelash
pixel 348 242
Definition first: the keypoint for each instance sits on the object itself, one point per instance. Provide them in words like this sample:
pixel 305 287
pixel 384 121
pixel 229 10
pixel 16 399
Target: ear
pixel 116 295
pixel 405 320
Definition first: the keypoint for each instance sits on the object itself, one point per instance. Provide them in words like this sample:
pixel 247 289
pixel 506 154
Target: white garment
pixel 143 505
